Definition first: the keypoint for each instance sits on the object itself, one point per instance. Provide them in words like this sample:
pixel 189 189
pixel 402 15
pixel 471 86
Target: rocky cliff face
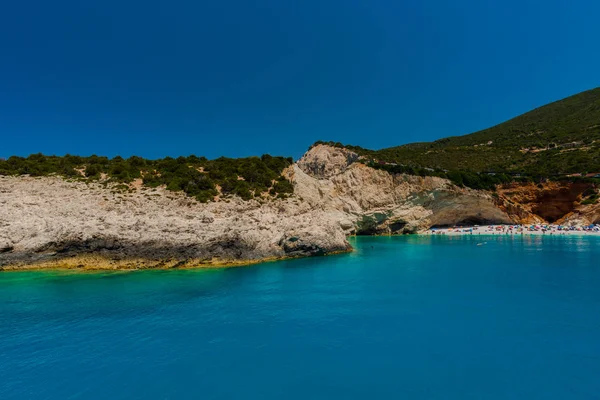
pixel 583 215
pixel 369 201
pixel 551 202
pixel 324 162
pixel 53 222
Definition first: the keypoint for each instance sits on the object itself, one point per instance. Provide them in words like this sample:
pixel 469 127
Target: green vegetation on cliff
pixel 196 176
pixel 560 138
pixel 555 141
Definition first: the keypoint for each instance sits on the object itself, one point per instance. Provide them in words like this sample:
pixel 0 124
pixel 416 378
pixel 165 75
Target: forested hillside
pixel 559 138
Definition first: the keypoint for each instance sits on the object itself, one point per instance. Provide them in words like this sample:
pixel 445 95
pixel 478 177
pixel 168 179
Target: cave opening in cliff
pixel 553 205
pixel 397 227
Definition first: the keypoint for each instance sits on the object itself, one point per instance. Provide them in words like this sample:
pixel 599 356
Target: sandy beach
pixel 591 230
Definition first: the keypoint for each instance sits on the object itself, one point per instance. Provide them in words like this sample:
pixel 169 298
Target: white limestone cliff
pixel 49 221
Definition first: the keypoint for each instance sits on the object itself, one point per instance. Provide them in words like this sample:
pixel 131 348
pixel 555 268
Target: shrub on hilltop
pixel 196 176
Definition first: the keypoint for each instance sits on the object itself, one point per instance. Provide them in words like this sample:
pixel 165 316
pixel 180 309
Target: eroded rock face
pixel 323 162
pixel 49 219
pixel 583 215
pixel 52 222
pixel 550 202
pixel 369 201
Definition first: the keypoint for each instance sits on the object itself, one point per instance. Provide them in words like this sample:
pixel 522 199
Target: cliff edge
pixel 50 222
pixel 53 222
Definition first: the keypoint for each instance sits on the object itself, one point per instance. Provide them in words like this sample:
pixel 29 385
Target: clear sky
pixel 247 77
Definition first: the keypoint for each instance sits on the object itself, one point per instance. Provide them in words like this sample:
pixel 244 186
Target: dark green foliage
pixel 283 187
pixel 557 139
pixel 474 180
pixel 123 171
pixel 592 199
pixel 242 189
pixel 92 171
pixel 550 142
pixel 196 176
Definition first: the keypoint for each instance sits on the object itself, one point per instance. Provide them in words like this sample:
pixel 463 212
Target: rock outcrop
pixel 550 202
pixel 583 215
pixel 370 201
pixel 53 222
pixel 325 161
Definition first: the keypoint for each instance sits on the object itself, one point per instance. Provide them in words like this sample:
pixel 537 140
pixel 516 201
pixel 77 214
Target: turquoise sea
pixel 400 318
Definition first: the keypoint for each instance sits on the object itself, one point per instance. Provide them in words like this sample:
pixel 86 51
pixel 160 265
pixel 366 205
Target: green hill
pixel 553 141
pixel 559 138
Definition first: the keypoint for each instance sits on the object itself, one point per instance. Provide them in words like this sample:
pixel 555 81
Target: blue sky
pixel 238 78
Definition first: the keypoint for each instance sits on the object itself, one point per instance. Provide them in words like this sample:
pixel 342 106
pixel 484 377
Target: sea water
pixel 401 317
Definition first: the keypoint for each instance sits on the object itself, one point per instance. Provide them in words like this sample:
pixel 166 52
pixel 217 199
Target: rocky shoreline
pixel 96 262
pixel 49 222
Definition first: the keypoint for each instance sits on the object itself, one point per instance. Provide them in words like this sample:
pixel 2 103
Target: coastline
pixel 53 223
pixel 515 230
pixel 99 263
pixel 92 263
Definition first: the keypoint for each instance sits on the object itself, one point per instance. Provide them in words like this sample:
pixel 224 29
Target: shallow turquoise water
pixel 402 317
